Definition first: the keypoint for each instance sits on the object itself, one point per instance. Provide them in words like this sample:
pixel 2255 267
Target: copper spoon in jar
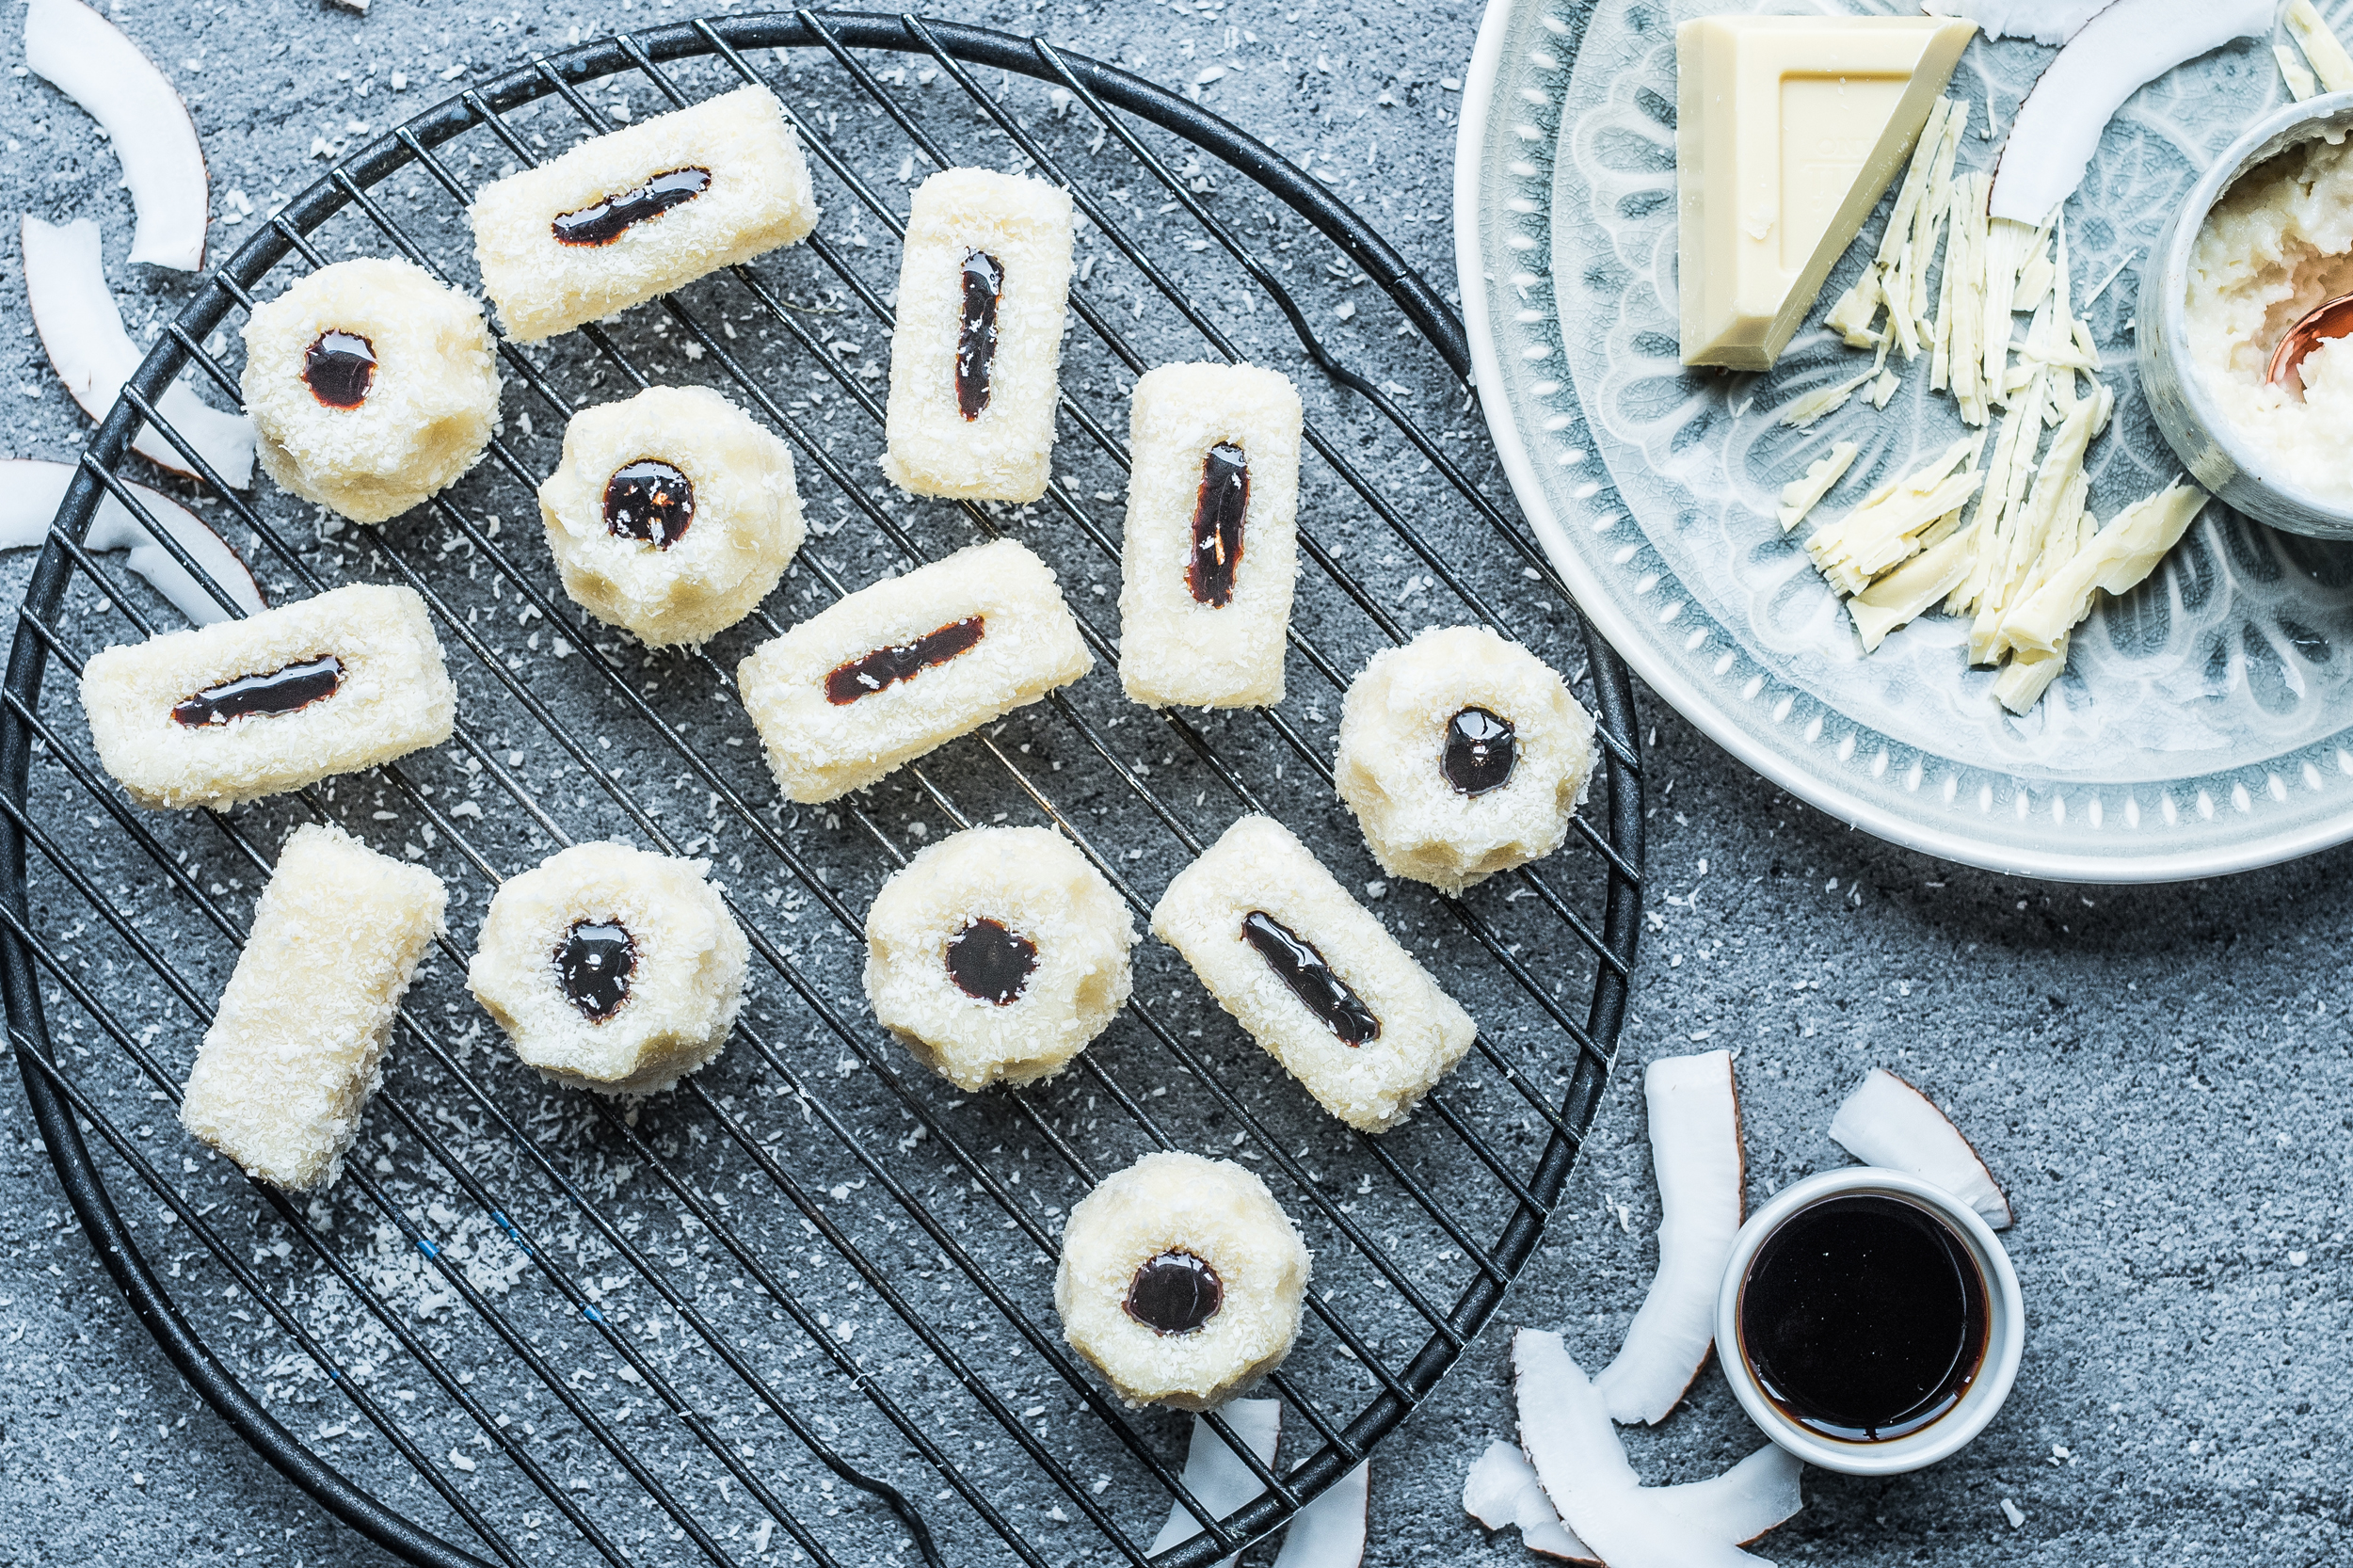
pixel 2331 318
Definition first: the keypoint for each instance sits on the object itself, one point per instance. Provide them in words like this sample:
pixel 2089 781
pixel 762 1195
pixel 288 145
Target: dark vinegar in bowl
pixel 1863 1317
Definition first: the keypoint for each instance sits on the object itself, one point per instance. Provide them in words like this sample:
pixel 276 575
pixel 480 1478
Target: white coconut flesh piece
pixel 1568 1436
pixel 2120 51
pixel 1739 1506
pixel 1216 1476
pixel 1502 1490
pixel 1696 1157
pixel 2051 22
pixel 1330 1532
pixel 64 284
pixel 85 57
pixel 1888 1122
pixel 31 492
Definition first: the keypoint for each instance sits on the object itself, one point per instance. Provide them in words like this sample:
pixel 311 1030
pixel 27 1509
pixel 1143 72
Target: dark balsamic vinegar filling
pixel 1175 1293
pixel 1218 511
pixel 990 963
pixel 1298 963
pixel 976 331
pixel 648 500
pixel 281 691
pixel 1863 1317
pixel 870 673
pixel 339 368
pixel 606 221
pixel 594 964
pixel 1481 749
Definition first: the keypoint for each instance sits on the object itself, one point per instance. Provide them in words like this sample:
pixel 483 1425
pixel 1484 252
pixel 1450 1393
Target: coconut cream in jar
pixel 2279 243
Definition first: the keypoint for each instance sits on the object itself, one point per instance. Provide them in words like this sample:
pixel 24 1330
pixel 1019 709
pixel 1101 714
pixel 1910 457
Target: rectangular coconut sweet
pixel 1024 226
pixel 1197 628
pixel 758 197
pixel 1258 868
pixel 391 696
pixel 299 1043
pixel 908 664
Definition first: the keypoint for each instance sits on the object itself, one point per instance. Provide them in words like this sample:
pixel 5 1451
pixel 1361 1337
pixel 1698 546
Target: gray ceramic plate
pixel 2205 722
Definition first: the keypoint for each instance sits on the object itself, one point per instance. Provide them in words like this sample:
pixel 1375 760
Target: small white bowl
pixel 2005 1339
pixel 2199 434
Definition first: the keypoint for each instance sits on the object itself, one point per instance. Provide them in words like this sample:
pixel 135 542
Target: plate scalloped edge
pixel 1538 39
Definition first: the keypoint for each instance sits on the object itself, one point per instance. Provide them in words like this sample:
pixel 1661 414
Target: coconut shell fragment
pixel 1567 1434
pixel 2122 48
pixel 1739 1506
pixel 1696 1156
pixel 1888 1122
pixel 31 492
pixel 81 330
pixel 1216 1476
pixel 1330 1532
pixel 89 59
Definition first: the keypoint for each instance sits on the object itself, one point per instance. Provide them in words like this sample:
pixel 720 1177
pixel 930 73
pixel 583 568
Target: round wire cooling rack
pixel 800 1307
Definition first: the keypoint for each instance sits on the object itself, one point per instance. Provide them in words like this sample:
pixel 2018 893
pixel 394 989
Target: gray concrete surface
pixel 2159 1076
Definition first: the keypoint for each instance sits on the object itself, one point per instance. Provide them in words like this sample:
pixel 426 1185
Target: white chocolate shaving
pixel 1800 496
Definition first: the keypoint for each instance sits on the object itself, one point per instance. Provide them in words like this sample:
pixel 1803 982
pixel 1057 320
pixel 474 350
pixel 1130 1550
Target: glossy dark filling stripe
pixel 1218 511
pixel 886 666
pixel 990 962
pixel 1175 1293
pixel 281 691
pixel 594 965
pixel 976 331
pixel 339 368
pixel 609 220
pixel 1311 980
pixel 648 500
pixel 1481 749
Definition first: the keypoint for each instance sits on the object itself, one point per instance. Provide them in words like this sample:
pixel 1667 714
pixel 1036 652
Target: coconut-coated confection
pixel 1023 228
pixel 392 696
pixel 1196 630
pixel 1258 867
pixel 423 415
pixel 298 1046
pixel 1030 886
pixel 680 987
pixel 755 198
pixel 743 527
pixel 830 702
pixel 1212 1211
pixel 1395 725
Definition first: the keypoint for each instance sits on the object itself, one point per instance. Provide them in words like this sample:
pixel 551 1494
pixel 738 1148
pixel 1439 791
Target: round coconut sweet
pixel 372 386
pixel 1181 1206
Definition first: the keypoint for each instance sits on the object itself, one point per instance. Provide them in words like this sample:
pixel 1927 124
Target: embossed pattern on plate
pixel 2205 721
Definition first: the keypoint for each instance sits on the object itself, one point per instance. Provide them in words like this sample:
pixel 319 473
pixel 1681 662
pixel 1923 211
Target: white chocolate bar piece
pixel 298 1046
pixel 1197 627
pixel 1258 870
pixel 370 441
pixel 908 664
pixel 390 696
pixel 742 514
pixel 757 196
pixel 1023 228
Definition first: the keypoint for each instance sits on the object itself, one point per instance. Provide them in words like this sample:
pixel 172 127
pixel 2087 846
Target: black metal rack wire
pixel 465 1249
